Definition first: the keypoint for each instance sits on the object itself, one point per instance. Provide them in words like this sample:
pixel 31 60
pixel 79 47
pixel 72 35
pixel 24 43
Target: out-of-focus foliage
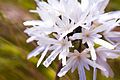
pixel 14 49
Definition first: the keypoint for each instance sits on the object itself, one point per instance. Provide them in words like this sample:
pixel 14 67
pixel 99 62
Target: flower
pixel 91 36
pixel 65 22
pixel 96 24
pixel 80 61
pixel 57 47
pixel 61 48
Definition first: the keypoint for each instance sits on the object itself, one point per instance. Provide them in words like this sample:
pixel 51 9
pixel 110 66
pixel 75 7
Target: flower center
pixel 87 35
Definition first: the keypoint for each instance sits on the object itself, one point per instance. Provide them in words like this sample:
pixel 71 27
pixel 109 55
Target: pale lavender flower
pixel 80 61
pixel 68 21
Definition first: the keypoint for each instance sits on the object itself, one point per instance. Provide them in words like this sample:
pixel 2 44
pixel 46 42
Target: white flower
pixel 91 36
pixel 97 24
pixel 57 47
pixel 64 22
pixel 80 61
pixel 61 48
pixel 102 55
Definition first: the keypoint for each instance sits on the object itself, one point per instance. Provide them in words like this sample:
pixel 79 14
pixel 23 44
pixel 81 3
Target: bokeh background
pixel 14 49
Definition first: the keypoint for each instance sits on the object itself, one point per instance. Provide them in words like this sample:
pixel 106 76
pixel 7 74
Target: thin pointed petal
pixel 65 69
pixel 76 36
pixel 81 72
pixel 93 64
pixel 53 55
pixel 92 50
pixel 109 16
pixel 33 22
pixel 42 56
pixel 35 52
pixel 31 39
pixel 104 43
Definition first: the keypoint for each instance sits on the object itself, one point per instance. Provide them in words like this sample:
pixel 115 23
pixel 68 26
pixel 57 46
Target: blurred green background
pixel 14 49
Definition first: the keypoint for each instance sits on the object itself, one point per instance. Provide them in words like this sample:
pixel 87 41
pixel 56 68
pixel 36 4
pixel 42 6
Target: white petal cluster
pixel 64 22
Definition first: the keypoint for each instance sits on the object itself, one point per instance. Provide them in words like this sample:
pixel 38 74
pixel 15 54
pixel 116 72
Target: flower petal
pixel 109 16
pixel 31 39
pixel 108 71
pixel 53 55
pixel 76 36
pixel 65 69
pixel 85 4
pixel 36 51
pixel 81 72
pixel 33 22
pixel 42 56
pixel 104 43
pixel 92 50
pixel 93 64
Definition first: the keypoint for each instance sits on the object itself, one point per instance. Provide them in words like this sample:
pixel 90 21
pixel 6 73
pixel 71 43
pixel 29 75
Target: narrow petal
pixel 65 69
pixel 114 39
pixel 93 64
pixel 53 2
pixel 105 26
pixel 53 55
pixel 31 39
pixel 76 36
pixel 108 71
pixel 74 66
pixel 64 61
pixel 42 56
pixel 81 72
pixel 62 56
pixel 86 65
pixel 100 5
pixel 109 16
pixel 112 55
pixel 47 40
pixel 92 50
pixel 35 52
pixel 104 43
pixel 85 4
pixel 33 22
pixel 112 34
pixel 103 5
